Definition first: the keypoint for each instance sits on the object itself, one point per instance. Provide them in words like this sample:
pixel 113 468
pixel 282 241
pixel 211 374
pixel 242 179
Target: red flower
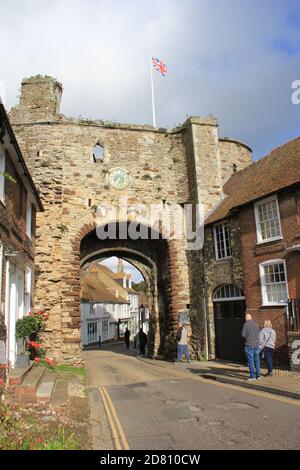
pixel 1 381
pixel 36 359
pixel 35 345
pixel 51 362
pixel 38 440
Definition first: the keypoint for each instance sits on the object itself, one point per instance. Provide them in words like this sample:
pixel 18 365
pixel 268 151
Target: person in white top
pixel 267 340
pixel 182 347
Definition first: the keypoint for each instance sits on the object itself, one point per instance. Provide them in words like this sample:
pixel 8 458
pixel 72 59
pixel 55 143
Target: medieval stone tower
pixel 188 164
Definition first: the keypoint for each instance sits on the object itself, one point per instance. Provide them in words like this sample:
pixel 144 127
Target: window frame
pixel 216 242
pixel 257 204
pixel 29 216
pixel 236 288
pixel 95 158
pixel 265 301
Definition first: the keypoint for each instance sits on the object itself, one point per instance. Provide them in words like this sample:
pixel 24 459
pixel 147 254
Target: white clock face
pixel 119 178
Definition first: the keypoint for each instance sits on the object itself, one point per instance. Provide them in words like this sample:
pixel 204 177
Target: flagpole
pixel 152 91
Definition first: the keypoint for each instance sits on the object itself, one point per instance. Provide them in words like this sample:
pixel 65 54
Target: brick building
pixel 253 243
pixel 19 202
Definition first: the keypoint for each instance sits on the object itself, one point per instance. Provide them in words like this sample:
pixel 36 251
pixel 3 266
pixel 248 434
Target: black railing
pixel 293 314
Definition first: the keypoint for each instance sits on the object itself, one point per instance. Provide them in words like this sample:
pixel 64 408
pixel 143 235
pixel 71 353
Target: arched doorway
pixel 155 258
pixel 229 314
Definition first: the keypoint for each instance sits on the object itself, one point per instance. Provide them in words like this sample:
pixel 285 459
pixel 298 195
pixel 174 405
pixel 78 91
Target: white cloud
pixel 234 59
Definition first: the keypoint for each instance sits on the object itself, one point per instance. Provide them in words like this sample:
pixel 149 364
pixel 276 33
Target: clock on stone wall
pixel 119 178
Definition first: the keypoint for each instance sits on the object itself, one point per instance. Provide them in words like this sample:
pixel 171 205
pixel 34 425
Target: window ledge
pixel 283 304
pixel 222 260
pixel 269 240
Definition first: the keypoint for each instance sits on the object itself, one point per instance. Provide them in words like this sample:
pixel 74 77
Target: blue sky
pixel 235 59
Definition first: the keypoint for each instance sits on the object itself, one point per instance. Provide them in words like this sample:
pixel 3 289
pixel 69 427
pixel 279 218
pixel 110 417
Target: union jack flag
pixel 159 66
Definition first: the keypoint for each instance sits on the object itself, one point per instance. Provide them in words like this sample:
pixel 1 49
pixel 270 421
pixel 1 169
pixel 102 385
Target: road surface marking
pixel 119 426
pixel 111 423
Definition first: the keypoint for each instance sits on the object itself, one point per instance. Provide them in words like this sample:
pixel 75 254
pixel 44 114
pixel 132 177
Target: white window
pixel 92 309
pixel 222 240
pixel 29 218
pixel 92 331
pixel 273 282
pixel 2 170
pixel 28 289
pixel 228 292
pixel 267 220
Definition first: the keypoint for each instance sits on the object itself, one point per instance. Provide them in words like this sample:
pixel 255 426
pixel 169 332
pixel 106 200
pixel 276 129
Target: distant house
pixel 108 304
pixel 19 202
pixel 104 311
pixel 252 254
pixel 125 280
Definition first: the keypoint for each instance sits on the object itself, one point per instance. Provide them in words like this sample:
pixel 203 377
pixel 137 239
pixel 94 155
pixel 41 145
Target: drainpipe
pixel 206 329
pixel 7 306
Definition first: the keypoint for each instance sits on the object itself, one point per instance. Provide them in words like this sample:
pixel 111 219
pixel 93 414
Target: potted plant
pixel 27 329
pixel 23 360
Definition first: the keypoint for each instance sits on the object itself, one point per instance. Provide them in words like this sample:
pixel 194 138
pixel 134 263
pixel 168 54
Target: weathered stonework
pixel 186 164
pixel 219 272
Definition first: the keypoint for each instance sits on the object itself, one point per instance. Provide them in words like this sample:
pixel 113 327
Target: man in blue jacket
pixel 250 333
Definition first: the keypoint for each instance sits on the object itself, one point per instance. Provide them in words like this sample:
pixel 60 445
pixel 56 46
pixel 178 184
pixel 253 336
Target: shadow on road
pixel 116 348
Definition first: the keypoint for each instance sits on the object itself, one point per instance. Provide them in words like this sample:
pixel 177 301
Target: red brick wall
pixel 254 254
pixel 13 221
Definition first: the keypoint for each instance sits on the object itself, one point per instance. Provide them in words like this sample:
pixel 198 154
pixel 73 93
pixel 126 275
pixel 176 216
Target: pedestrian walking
pixel 250 333
pixel 182 346
pixel 267 340
pixel 143 342
pixel 127 337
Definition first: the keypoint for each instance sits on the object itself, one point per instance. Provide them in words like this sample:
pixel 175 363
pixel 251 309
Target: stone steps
pixel 16 376
pixel 35 385
pixel 45 391
pixel 60 395
pixel 26 391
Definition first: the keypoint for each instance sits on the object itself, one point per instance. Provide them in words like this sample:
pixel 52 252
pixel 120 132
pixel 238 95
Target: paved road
pixel 160 406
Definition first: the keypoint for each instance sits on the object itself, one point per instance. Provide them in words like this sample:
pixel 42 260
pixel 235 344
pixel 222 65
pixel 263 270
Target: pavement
pixel 155 405
pixel 282 382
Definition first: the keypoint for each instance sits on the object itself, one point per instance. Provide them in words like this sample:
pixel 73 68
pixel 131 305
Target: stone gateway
pixel 80 164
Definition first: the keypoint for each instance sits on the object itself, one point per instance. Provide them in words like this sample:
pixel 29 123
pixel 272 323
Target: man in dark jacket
pixel 250 333
pixel 127 337
pixel 143 342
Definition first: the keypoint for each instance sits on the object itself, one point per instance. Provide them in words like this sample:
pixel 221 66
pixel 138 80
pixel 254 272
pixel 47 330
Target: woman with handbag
pixel 267 339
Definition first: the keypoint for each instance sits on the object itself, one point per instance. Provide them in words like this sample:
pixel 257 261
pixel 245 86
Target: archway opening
pixel 148 257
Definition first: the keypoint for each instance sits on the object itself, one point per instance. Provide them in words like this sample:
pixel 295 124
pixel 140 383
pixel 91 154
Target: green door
pixel 229 321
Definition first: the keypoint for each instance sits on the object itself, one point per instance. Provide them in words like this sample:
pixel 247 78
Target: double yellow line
pixel 118 434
